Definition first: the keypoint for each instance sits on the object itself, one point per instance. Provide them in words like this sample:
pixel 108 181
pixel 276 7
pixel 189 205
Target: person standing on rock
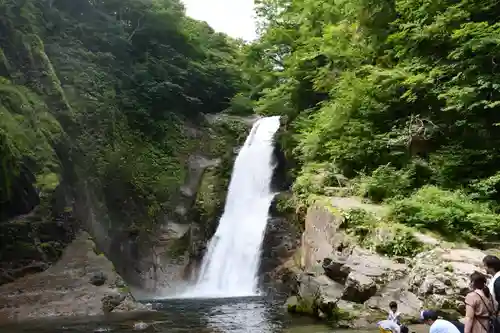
pixel 394 315
pixel 437 325
pixel 480 307
pixel 492 265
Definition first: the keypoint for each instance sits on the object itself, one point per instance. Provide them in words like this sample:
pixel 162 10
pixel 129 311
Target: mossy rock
pixel 300 306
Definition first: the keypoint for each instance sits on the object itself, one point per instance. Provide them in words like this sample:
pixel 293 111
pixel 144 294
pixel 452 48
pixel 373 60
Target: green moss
pixel 47 182
pixel 179 247
pixel 404 243
pixel 207 200
pixel 124 290
pixel 380 235
pixel 449 268
pixel 302 306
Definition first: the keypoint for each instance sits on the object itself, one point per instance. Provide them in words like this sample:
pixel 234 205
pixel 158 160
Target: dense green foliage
pixel 390 238
pixel 109 93
pixel 453 214
pixel 386 97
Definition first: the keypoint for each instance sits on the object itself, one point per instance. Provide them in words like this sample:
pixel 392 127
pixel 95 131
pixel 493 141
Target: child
pixel 388 326
pixel 394 315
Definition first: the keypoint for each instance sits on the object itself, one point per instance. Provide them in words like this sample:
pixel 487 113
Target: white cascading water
pixel 231 264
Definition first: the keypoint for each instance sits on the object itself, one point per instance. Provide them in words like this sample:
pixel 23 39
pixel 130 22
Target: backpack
pixel 459 325
pixel 493 322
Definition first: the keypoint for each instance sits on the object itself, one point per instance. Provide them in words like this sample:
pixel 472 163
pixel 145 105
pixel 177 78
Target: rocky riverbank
pixel 335 276
pixel 82 283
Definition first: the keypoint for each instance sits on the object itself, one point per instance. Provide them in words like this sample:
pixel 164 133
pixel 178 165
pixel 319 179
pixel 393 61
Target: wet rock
pixel 98 279
pixel 64 288
pixel 336 269
pixel 291 304
pixel 119 283
pixel 140 326
pixel 110 302
pixel 129 304
pixel 359 288
pixel 280 242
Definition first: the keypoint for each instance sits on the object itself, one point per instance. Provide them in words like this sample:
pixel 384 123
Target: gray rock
pixel 336 269
pixel 321 286
pixel 338 273
pixel 64 289
pixel 408 303
pixel 98 279
pixel 129 304
pixel 140 326
pixel 291 304
pixel 359 288
pixel 111 301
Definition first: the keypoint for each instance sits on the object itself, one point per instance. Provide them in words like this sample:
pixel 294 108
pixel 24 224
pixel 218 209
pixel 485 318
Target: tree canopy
pixel 105 91
pixel 390 95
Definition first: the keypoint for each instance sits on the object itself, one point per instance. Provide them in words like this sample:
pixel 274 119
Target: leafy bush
pixel 359 222
pixel 487 189
pixel 315 178
pixel 240 105
pixel 451 213
pixel 397 240
pixel 385 182
pixel 404 243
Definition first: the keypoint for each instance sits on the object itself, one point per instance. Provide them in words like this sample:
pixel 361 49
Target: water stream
pixel 231 263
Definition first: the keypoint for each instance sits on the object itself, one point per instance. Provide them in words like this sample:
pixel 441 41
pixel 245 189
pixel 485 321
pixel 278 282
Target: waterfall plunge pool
pixel 238 315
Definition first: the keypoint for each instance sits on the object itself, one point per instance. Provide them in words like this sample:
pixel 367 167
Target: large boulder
pixel 68 288
pixel 441 276
pixel 359 288
pixel 336 271
pixel 408 303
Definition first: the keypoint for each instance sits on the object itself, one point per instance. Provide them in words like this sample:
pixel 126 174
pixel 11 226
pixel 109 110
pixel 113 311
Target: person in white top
pixel 394 315
pixel 388 326
pixel 492 266
pixel 430 318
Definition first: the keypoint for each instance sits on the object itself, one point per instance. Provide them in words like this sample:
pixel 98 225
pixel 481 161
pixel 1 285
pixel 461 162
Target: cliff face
pixel 337 276
pixel 104 128
pixel 150 255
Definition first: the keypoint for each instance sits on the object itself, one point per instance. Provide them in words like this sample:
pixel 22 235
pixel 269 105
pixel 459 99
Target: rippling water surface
pixel 255 315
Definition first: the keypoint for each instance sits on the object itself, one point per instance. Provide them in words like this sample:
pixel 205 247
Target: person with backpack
pixel 492 265
pixel 480 307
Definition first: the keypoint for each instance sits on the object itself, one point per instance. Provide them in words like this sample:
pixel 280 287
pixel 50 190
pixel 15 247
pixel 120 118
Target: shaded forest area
pixel 102 103
pixel 104 90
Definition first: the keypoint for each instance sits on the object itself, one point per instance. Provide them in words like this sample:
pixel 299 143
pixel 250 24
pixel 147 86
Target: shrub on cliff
pixel 454 214
pixel 385 238
pixel 384 182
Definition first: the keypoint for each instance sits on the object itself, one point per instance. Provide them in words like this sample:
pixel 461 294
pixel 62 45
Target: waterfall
pixel 231 264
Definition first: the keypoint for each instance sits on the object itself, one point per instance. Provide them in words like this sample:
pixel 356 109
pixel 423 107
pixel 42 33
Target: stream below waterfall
pixel 253 315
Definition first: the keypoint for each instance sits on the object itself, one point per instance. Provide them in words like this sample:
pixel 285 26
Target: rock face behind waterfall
pixel 44 271
pixel 332 276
